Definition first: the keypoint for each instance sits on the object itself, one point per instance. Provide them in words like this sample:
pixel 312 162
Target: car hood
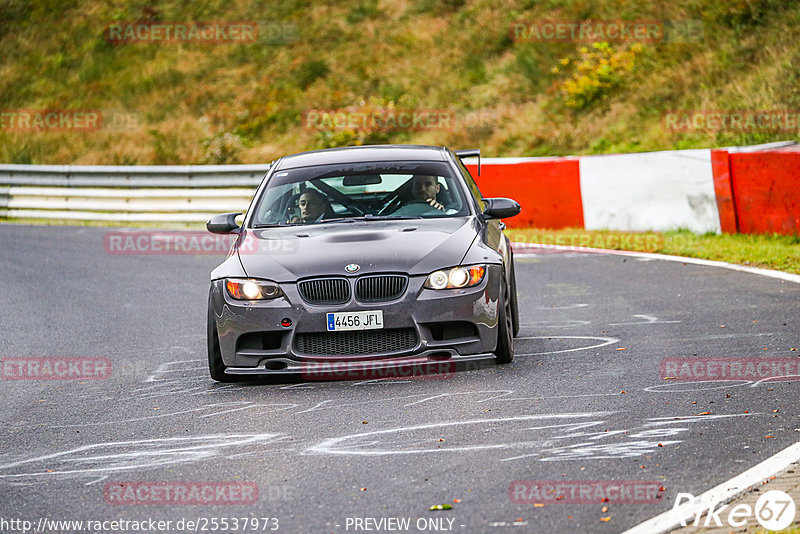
pixel 416 246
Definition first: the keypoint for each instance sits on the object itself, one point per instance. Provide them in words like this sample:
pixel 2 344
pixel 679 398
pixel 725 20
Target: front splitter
pixel 418 365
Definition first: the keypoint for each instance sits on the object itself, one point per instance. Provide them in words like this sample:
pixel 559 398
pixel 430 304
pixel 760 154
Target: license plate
pixel 364 320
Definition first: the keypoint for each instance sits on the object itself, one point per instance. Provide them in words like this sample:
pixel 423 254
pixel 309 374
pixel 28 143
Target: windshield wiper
pixel 370 217
pixel 394 217
pixel 339 219
pixel 274 225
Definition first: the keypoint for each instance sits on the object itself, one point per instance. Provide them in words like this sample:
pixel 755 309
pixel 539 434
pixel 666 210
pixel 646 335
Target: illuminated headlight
pixel 243 289
pixel 456 277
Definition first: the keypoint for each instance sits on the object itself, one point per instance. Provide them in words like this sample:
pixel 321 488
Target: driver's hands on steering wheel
pixel 435 204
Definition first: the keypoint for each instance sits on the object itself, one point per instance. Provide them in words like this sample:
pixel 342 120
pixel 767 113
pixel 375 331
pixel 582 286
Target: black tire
pixel 514 297
pixel 215 365
pixel 504 353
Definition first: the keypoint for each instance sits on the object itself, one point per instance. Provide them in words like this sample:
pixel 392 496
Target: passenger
pixel 314 207
pixel 425 189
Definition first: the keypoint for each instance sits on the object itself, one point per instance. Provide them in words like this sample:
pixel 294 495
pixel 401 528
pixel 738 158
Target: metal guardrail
pixel 180 193
pixel 166 193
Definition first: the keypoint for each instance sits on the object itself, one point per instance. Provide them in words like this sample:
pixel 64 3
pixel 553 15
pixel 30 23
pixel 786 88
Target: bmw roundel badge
pixel 352 267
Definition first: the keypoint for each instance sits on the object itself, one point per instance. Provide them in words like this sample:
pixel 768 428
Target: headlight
pixel 243 289
pixel 456 277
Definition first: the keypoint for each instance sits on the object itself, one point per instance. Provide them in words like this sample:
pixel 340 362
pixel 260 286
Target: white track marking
pixel 327 404
pixel 788 277
pixel 336 446
pixel 304 385
pixel 247 405
pixel 674 387
pixel 772 379
pixel 164 368
pixel 605 341
pixel 559 324
pixel 609 451
pixel 646 438
pixel 728 336
pixel 694 418
pixel 648 319
pixel 549 397
pixel 101 458
pixel 723 493
pixel 567 307
pixel 381 381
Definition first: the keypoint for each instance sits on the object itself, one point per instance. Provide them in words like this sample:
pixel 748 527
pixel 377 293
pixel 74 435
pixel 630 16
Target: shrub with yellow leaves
pixel 598 70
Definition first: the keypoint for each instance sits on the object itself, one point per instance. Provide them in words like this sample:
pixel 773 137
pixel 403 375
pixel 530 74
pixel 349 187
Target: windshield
pixel 362 191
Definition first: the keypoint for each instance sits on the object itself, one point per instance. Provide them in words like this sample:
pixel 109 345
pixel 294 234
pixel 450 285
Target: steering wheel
pixel 391 204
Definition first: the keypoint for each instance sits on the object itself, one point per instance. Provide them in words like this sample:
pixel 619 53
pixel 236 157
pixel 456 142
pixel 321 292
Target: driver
pixel 425 188
pixel 314 206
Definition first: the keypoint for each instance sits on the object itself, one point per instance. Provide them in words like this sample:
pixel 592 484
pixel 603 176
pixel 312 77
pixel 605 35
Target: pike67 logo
pixel 775 510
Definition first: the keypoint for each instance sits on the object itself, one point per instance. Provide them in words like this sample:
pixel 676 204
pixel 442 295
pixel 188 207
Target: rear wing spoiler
pixel 471 153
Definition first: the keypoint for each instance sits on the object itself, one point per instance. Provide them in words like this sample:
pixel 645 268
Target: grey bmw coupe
pixel 370 257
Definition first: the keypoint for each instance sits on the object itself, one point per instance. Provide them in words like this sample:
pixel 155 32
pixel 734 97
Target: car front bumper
pixel 453 325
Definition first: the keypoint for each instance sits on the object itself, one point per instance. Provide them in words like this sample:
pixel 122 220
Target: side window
pixel 473 187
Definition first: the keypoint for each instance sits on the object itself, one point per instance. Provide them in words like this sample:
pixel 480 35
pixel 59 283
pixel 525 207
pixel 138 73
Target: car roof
pixel 359 154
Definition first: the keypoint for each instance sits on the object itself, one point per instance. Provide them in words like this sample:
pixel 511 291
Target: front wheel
pixel 514 297
pixel 215 364
pixel 504 353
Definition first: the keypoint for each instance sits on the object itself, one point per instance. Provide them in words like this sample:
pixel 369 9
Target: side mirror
pixel 224 223
pixel 500 208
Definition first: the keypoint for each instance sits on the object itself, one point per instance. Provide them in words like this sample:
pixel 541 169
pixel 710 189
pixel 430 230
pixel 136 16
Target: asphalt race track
pixel 573 405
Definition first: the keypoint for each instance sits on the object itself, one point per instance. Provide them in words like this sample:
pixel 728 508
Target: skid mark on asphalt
pixel 110 457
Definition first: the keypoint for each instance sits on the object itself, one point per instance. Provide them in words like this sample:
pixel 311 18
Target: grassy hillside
pixel 227 103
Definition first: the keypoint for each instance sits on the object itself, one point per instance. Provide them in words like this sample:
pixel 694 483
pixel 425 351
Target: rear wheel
pixel 504 353
pixel 215 365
